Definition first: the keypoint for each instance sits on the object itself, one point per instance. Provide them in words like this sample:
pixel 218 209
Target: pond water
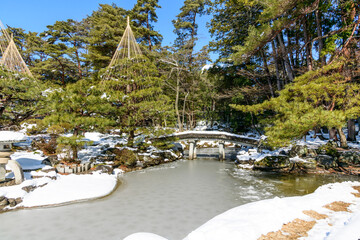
pixel 170 200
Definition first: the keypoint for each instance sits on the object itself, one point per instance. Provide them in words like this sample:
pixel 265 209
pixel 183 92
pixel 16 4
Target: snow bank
pixel 9 136
pixel 144 236
pixel 250 221
pixel 66 188
pixel 71 188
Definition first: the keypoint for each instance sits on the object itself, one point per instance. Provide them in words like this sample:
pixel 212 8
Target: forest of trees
pixel 286 67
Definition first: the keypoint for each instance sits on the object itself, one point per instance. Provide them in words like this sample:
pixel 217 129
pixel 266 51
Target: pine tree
pixel 136 90
pixel 144 12
pixel 186 25
pixel 107 25
pixel 328 97
pixel 79 107
pixel 133 84
pixel 20 97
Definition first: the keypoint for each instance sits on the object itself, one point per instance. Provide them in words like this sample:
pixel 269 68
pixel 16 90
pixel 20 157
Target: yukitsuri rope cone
pixel 4 38
pixel 11 58
pixel 128 48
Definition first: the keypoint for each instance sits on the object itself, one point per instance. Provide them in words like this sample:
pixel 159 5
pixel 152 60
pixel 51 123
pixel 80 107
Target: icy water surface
pixel 170 200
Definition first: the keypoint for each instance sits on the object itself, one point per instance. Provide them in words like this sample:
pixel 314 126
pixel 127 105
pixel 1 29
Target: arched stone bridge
pixel 221 137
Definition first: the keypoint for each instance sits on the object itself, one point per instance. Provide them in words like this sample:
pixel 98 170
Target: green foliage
pixel 144 12
pixel 136 92
pixel 55 130
pixel 230 24
pixel 37 128
pixel 69 145
pixel 330 150
pixel 126 157
pixel 78 107
pixel 62 52
pixel 107 25
pixel 20 97
pixel 326 97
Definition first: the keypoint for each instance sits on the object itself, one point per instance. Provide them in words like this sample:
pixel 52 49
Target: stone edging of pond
pixel 325 159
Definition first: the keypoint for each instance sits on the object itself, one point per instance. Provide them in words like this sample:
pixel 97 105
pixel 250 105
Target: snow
pixel 144 236
pixel 9 136
pixel 269 215
pixel 53 188
pixel 253 154
pixel 29 160
pixel 71 188
pixel 66 188
pixel 248 221
pixel 215 133
pixel 93 136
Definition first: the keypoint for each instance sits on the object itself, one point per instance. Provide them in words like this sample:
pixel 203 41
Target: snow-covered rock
pixel 10 136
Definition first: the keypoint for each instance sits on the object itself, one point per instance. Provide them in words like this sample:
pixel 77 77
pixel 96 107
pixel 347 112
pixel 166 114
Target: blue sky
pixel 35 15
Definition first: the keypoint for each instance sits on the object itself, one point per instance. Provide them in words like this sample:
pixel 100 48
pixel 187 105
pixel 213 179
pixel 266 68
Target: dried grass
pixel 338 206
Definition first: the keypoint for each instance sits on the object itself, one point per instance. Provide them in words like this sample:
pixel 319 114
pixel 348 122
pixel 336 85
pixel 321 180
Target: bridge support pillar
pixel 192 150
pixel 222 150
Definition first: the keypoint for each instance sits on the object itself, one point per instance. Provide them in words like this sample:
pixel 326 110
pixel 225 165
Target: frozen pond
pixel 170 200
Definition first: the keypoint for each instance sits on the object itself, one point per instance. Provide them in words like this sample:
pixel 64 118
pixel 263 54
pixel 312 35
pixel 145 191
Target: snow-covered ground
pixel 51 187
pixel 248 221
pixel 60 189
pixel 252 220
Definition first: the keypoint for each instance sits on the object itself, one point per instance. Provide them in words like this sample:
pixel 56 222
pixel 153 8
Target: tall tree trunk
pixel 149 29
pixel 275 57
pixel 343 141
pixel 351 130
pixel 285 56
pixel 184 107
pixel 267 73
pixel 307 47
pixel 181 127
pixel 319 33
pixel 193 33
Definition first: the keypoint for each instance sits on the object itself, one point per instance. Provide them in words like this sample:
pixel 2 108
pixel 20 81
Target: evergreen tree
pixel 144 12
pixel 135 88
pixel 186 25
pixel 328 97
pixel 107 25
pixel 62 59
pixel 78 108
pixel 20 97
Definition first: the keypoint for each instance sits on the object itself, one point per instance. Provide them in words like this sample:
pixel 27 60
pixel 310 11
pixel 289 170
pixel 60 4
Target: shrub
pixel 125 157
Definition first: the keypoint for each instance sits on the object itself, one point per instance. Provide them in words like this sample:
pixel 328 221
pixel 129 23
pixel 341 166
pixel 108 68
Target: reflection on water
pixel 170 200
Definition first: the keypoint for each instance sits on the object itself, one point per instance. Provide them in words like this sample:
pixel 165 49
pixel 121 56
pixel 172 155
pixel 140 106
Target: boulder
pixel 349 158
pixel 307 164
pixel 51 160
pixel 326 161
pixel 29 188
pixel 3 201
pixel 104 169
pixel 270 163
pixel 299 150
